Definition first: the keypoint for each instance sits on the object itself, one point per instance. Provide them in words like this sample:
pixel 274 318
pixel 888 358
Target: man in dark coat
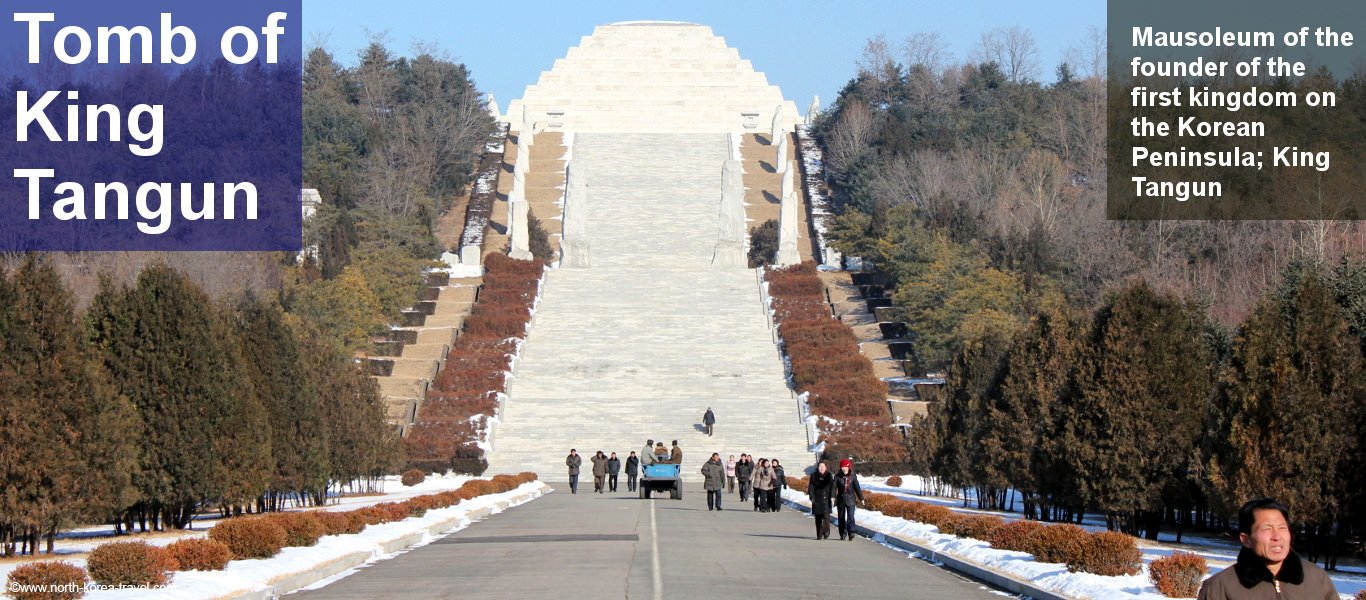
pixel 743 471
pixel 820 487
pixel 709 419
pixel 613 467
pixel 1267 568
pixel 573 461
pixel 714 481
pixel 599 470
pixel 847 492
pixel 632 471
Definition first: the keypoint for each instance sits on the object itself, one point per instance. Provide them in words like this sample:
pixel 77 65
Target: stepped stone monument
pixel 665 320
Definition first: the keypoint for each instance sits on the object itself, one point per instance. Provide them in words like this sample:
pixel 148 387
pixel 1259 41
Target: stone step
pixel 416 368
pixel 403 387
pixel 426 351
pixel 436 335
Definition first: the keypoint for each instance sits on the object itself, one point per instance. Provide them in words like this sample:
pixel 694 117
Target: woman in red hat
pixel 847 491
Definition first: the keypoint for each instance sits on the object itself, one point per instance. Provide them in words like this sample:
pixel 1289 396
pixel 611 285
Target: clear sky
pixel 806 47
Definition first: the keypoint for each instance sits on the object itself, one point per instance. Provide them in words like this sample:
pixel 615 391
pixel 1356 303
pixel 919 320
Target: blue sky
pixel 806 47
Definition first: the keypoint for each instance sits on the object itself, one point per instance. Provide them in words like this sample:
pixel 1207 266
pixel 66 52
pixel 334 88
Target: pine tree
pixel 1139 411
pixel 274 364
pixel 1040 372
pixel 973 380
pixel 62 467
pixel 162 343
pixel 1289 397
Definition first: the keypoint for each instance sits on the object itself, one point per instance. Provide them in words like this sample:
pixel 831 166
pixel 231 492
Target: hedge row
pixel 447 429
pixel 138 563
pixel 826 364
pixel 1102 553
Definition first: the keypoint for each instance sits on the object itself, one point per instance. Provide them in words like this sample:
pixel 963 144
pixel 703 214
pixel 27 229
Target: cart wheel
pixel 677 493
pixel 644 492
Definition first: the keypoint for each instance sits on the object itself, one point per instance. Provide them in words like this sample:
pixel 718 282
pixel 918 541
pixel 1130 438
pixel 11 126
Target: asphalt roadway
pixel 595 546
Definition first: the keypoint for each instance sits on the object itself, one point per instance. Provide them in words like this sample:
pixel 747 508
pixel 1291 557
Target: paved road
pixel 593 546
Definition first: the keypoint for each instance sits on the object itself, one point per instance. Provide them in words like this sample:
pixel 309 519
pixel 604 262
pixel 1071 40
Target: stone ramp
pixel 640 343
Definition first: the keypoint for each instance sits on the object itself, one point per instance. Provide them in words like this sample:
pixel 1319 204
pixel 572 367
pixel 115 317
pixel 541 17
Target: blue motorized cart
pixel 660 477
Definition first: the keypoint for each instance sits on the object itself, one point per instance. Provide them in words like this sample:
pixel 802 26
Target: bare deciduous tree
pixel 850 136
pixel 1013 48
pixel 927 49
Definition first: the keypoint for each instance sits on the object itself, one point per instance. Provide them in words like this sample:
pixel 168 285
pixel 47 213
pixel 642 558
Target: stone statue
pixel 574 244
pixel 777 124
pixel 780 161
pixel 787 223
pixel 813 110
pixel 518 212
pixel 730 245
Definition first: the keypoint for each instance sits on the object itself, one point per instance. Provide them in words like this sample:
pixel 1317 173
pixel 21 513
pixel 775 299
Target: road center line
pixel 654 556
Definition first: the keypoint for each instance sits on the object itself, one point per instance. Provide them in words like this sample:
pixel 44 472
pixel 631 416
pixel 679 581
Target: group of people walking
pixel 606 469
pixel 834 494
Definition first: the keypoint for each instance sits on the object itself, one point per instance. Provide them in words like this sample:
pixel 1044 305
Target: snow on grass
pixel 255 575
pixel 1219 553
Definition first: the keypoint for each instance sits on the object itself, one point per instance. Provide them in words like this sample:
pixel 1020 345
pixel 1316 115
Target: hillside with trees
pixel 144 388
pixel 1158 372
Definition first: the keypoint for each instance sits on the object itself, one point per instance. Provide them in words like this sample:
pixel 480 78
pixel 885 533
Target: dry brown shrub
pixel 1057 543
pixel 894 481
pixel 1013 535
pixel 1179 575
pixel 130 564
pixel 341 523
pixel 302 529
pixel 250 537
pixel 64 580
pixel 412 477
pixel 200 554
pixel 1108 553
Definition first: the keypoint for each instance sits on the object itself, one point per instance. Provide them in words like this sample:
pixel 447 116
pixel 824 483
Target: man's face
pixel 1270 536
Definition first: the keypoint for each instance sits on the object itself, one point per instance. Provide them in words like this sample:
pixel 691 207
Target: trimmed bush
pixel 971 526
pixel 302 529
pixel 200 554
pixel 1179 575
pixel 64 581
pixel 1013 535
pixel 130 563
pixel 1057 543
pixel 340 523
pixel 412 477
pixel 1108 553
pixel 882 503
pixel 250 537
pixel 894 481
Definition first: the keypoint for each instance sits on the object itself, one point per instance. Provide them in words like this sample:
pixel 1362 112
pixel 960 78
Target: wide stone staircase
pixel 640 343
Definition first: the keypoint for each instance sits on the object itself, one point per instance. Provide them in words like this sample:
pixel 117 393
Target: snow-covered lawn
pixel 334 555
pixel 1049 576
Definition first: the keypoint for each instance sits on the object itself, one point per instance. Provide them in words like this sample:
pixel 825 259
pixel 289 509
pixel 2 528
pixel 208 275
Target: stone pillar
pixel 788 223
pixel 813 110
pixel 780 161
pixel 574 243
pixel 730 245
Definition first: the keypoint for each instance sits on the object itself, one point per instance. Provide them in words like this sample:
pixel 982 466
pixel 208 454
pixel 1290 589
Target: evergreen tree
pixel 274 365
pixel 1142 394
pixel 162 343
pixel 1040 372
pixel 973 381
pixel 1290 401
pixel 60 468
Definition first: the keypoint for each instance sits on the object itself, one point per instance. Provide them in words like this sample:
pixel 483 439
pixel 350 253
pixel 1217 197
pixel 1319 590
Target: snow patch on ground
pixel 256 575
